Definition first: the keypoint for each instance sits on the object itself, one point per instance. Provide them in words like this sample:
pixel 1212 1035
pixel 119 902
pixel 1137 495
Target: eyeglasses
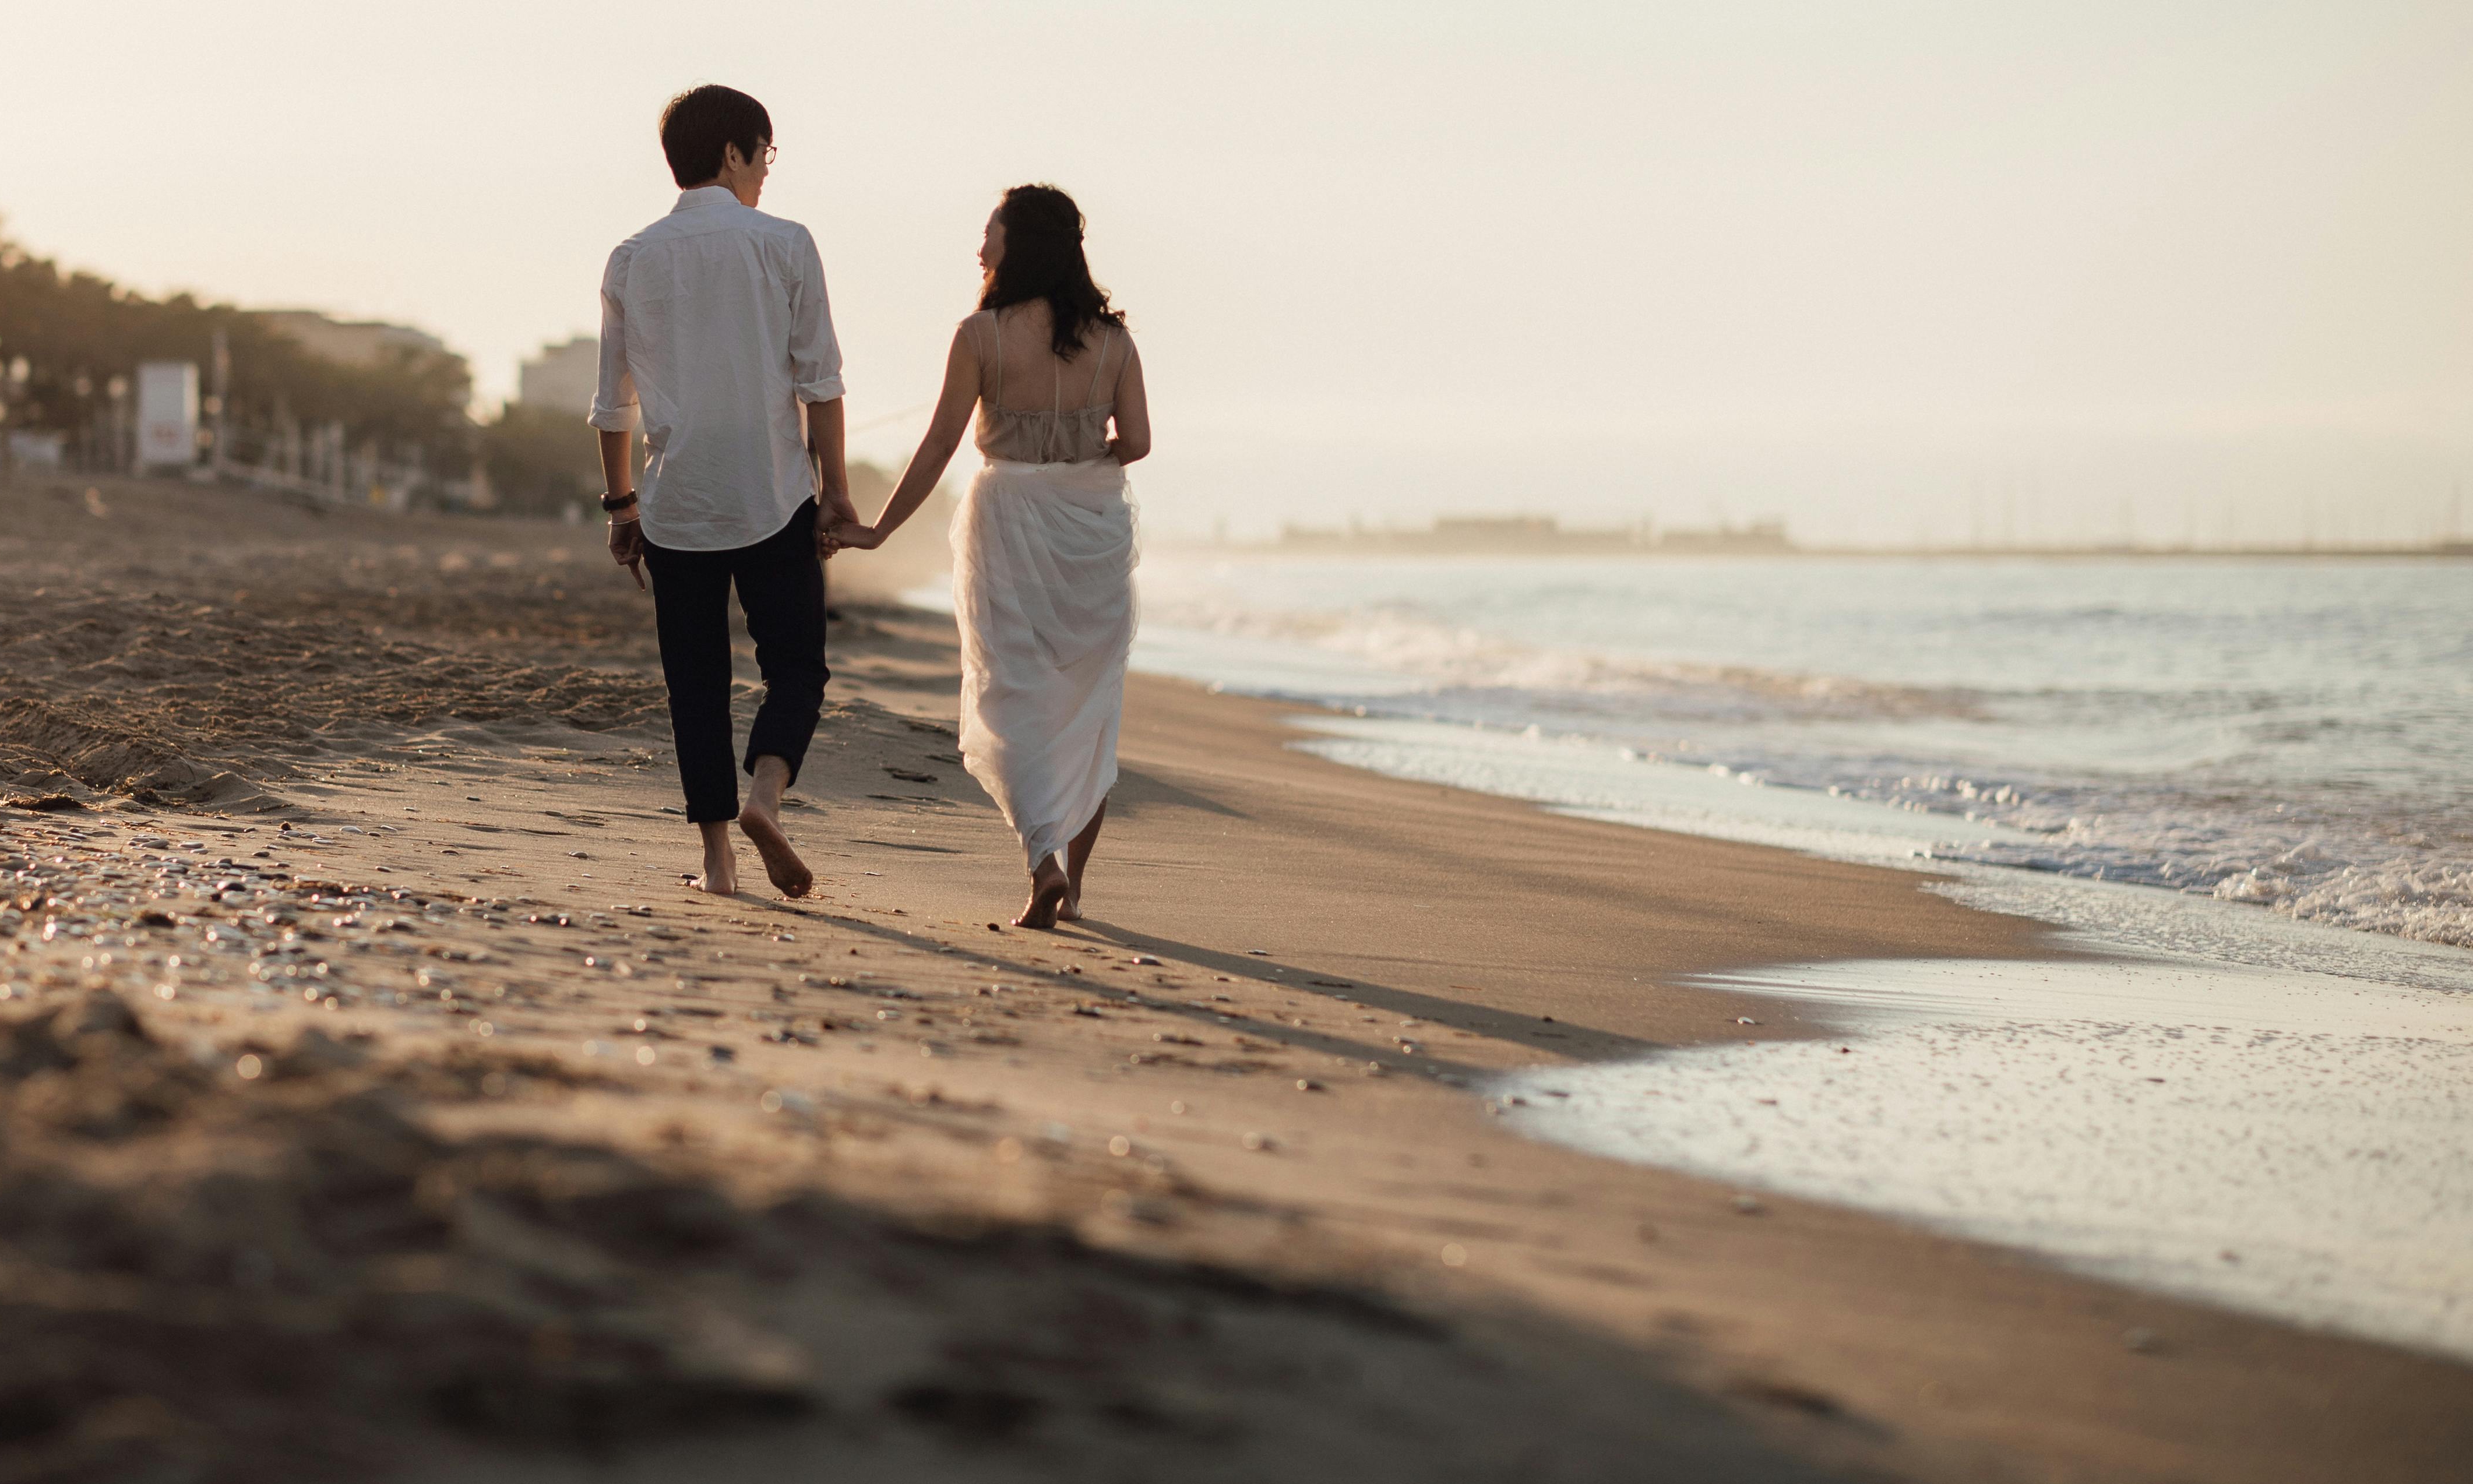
pixel 771 151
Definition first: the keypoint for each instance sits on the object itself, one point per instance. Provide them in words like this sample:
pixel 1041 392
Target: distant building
pixel 1477 536
pixel 348 342
pixel 561 378
pixel 1538 535
pixel 1760 536
pixel 1508 528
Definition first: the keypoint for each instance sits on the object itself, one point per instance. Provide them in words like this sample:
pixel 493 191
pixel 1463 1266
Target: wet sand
pixel 462 1137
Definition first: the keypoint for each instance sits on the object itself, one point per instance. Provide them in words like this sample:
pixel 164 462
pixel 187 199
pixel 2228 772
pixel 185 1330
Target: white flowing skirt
pixel 1043 596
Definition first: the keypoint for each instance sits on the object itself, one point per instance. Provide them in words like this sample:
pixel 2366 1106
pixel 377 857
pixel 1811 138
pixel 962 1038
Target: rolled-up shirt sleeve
pixel 815 356
pixel 614 409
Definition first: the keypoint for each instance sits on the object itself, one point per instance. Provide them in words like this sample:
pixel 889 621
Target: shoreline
pixel 2192 1195
pixel 1623 1308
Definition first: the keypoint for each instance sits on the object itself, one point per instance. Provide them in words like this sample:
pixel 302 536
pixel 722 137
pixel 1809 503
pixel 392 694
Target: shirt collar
pixel 706 196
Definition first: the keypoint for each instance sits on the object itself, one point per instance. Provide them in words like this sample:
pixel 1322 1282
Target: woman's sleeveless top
pixel 1055 434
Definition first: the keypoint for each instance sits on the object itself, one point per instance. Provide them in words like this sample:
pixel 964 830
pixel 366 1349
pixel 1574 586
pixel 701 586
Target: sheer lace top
pixel 1054 434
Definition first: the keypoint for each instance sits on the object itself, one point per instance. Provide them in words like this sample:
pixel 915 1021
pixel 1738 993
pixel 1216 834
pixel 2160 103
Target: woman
pixel 1044 541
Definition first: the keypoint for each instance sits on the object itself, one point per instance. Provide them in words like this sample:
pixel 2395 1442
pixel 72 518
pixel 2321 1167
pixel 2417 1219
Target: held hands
pixel 853 534
pixel 834 515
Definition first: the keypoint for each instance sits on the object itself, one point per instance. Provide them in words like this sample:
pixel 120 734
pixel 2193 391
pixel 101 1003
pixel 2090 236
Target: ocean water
pixel 2294 734
pixel 2243 788
pixel 2287 1143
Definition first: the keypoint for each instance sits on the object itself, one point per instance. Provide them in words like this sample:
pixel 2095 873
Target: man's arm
pixel 825 455
pixel 615 415
pixel 617 478
pixel 816 375
pixel 626 528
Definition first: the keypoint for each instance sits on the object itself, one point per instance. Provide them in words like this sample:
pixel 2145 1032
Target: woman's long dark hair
pixel 1043 259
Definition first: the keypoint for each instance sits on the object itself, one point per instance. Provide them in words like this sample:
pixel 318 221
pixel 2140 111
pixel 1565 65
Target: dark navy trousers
pixel 780 583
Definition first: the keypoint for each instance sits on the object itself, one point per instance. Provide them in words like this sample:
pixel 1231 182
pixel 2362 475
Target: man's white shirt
pixel 714 334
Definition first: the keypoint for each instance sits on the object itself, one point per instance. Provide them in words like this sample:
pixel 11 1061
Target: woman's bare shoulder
pixel 974 333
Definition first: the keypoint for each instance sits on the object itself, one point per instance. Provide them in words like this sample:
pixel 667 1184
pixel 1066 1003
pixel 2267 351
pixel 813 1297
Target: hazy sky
pixel 1882 269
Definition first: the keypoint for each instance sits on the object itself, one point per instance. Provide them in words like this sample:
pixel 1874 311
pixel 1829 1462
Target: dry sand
pixel 462 1142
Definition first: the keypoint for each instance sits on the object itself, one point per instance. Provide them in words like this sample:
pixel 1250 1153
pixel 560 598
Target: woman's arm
pixel 945 432
pixel 1133 439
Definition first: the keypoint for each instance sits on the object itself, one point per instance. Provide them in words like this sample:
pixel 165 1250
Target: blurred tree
pixel 541 461
pixel 77 331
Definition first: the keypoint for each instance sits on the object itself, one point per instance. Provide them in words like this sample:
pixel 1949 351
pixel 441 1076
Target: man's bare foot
pixel 762 819
pixel 1047 888
pixel 720 862
pixel 788 874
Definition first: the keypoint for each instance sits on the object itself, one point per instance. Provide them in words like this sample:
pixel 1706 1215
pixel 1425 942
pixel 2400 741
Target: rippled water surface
pixel 2295 734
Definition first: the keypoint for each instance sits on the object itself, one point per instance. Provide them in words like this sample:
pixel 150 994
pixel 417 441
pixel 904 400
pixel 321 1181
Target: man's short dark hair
pixel 700 122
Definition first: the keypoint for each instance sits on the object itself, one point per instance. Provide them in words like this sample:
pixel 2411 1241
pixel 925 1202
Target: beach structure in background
pixel 561 377
pixel 167 415
pixel 33 450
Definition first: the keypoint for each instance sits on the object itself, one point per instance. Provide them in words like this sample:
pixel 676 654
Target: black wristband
pixel 618 502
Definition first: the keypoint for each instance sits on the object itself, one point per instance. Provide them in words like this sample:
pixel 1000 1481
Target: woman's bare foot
pixel 720 862
pixel 1070 910
pixel 762 819
pixel 1048 885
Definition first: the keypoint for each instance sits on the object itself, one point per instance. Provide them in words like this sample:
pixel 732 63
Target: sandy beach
pixel 375 1100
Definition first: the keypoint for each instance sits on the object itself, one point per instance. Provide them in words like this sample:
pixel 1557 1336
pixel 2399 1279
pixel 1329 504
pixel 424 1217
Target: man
pixel 716 338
